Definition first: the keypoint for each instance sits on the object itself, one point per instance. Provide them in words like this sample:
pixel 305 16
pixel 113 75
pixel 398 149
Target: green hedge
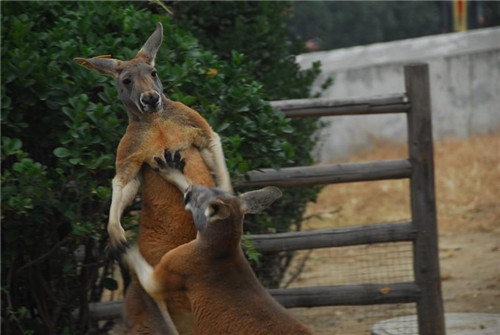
pixel 60 128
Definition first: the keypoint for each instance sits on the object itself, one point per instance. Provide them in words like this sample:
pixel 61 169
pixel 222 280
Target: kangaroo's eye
pixel 126 81
pixel 153 74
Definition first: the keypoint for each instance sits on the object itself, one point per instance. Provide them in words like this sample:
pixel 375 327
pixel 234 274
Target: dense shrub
pixel 256 29
pixel 60 128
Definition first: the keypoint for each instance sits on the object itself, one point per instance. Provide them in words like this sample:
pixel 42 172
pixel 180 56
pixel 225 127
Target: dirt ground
pixel 467 173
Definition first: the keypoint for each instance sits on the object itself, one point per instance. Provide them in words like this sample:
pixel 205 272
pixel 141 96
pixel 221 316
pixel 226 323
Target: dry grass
pixel 467 189
pixel 468 183
pixel 467 175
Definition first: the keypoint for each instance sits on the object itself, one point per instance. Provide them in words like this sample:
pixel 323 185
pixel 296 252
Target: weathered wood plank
pixel 107 310
pixel 342 295
pixel 396 103
pixel 328 174
pixel 423 201
pixel 347 295
pixel 336 237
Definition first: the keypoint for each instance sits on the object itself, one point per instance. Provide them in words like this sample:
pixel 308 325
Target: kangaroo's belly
pixel 165 224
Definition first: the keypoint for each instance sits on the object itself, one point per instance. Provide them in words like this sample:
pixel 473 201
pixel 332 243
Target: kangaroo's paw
pixel 170 162
pixel 118 243
pixel 118 250
pixel 171 168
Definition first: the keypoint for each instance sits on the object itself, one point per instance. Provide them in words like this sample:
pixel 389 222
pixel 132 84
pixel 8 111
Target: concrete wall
pixel 465 87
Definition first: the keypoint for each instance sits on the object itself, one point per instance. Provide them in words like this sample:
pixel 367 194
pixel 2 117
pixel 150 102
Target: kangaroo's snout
pixel 150 101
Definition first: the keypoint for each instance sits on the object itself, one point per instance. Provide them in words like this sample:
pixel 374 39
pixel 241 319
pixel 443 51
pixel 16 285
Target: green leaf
pixel 61 152
pixel 75 160
pixel 103 192
pixel 188 100
pixel 249 247
pixel 104 161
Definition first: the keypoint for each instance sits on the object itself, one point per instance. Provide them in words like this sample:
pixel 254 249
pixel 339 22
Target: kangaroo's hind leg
pixel 145 274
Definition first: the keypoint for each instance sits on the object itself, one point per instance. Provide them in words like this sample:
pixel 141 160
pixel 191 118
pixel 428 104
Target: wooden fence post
pixel 423 201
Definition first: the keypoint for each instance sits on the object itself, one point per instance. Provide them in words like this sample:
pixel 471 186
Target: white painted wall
pixel 465 87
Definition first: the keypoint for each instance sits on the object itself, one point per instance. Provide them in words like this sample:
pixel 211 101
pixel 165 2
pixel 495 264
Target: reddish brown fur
pixel 164 222
pixel 225 295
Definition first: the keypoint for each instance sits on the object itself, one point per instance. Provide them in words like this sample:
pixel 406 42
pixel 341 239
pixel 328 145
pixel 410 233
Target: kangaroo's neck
pixel 220 244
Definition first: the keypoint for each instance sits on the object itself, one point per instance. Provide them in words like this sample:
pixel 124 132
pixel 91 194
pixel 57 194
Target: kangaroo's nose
pixel 151 98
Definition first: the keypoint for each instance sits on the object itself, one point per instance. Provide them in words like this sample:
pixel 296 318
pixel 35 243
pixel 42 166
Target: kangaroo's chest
pixel 172 136
pixel 167 135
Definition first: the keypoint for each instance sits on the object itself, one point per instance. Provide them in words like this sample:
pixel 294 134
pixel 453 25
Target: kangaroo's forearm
pixel 122 196
pixel 176 178
pixel 215 160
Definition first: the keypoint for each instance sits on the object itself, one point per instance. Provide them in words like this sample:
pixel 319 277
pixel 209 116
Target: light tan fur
pixel 156 124
pixel 225 295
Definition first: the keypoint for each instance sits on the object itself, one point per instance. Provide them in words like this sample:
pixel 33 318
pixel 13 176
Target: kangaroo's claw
pixel 179 162
pixel 161 162
pixel 175 161
pixel 168 156
pixel 118 250
pixel 177 156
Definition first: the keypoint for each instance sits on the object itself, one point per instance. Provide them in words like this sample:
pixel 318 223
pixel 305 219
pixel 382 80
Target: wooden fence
pixel 425 290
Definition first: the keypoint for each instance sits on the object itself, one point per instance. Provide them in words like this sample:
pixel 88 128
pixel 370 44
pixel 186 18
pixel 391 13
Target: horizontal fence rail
pixel 395 103
pixel 339 295
pixel 344 295
pixel 326 295
pixel 107 310
pixel 328 174
pixel 335 237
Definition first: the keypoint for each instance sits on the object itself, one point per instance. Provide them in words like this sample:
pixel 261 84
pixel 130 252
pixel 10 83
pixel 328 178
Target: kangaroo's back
pixel 241 303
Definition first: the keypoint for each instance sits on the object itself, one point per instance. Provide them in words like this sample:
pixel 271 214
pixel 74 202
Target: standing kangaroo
pixel 226 298
pixel 155 125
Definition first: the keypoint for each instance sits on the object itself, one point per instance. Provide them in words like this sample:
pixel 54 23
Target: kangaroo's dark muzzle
pixel 150 101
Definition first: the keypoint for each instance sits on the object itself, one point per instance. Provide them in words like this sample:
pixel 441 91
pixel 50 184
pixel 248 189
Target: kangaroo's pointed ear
pixel 148 52
pixel 102 64
pixel 256 201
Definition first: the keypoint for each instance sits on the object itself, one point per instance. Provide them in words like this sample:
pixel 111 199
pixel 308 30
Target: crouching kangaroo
pixel 225 295
pixel 156 124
